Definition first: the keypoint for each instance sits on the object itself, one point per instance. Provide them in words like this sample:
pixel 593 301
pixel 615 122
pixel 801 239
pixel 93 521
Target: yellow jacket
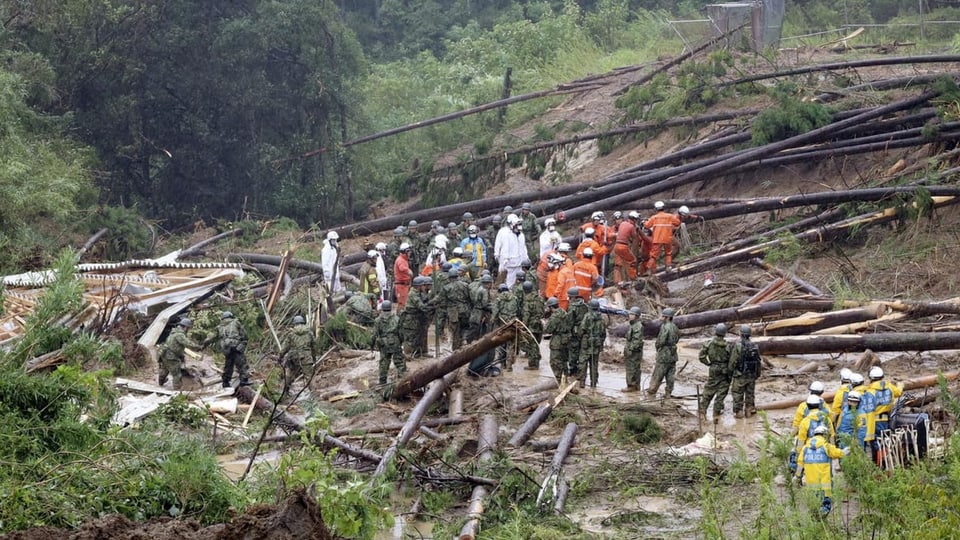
pixel 839 399
pixel 814 462
pixel 813 419
pixel 886 395
pixel 802 410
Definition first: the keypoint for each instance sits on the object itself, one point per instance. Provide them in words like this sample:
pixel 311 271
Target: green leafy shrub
pixel 789 118
pixel 642 427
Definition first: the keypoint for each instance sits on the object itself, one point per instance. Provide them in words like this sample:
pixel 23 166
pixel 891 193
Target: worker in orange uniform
pixel 402 275
pixel 585 274
pixel 554 264
pixel 624 259
pixel 662 224
pixel 588 242
pixel 565 280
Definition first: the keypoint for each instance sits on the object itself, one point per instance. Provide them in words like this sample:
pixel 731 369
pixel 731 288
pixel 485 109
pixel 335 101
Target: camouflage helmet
pixel 226 315
pixel 497 218
pixel 297 319
pixel 525 264
pixel 573 291
pixel 453 273
pixel 594 304
pixel 386 306
pixel 720 329
pixel 467 216
pixel 446 267
pixel 186 323
pixel 552 302
pixel 527 286
pixel 486 278
pixel 398 231
pixel 417 281
pixel 745 330
pixel 668 312
pixel 503 287
pixel 636 311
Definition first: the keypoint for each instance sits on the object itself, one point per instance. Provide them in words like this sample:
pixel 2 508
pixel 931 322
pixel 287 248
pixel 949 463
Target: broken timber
pixel 550 488
pixel 489 432
pixel 904 341
pixel 413 422
pixel 454 360
pixel 538 417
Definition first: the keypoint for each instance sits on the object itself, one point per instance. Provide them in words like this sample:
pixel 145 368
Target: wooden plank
pixel 137 386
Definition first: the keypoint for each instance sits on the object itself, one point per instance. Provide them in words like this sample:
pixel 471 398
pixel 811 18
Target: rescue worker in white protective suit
pixel 549 238
pixel 510 249
pixel 381 248
pixel 330 262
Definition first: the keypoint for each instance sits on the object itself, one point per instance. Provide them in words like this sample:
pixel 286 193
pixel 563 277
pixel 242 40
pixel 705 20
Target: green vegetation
pixel 790 117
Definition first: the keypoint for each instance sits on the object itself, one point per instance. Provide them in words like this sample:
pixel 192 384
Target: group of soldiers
pixel 858 413
pixel 734 368
pixel 232 339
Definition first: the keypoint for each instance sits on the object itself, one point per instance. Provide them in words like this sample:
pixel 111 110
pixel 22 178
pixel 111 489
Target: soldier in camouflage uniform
pixel 386 339
pixel 633 350
pixel 455 302
pixel 505 310
pixel 415 318
pixel 357 309
pixel 576 310
pixel 489 235
pixel 530 273
pixel 481 307
pixel 715 354
pixel 298 351
pixel 742 384
pixel 593 332
pixel 171 353
pixel 533 309
pixel 531 230
pixel 233 342
pixel 666 355
pixel 558 333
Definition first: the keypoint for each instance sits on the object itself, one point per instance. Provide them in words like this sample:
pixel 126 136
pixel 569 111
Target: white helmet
pixel 596 216
pixel 684 210
pixel 845 375
pixel 633 214
pixel 458 250
pixel 564 247
pixel 856 379
pixel 876 373
pixel 816 387
pixel 512 219
pixel 853 395
pixel 618 215
pixel 381 246
pixel 404 246
pixel 332 235
pixel 549 221
pixel 813 401
pixel 555 258
pixel 440 241
pixel 372 254
pixel 588 253
pixel 589 232
pixel 658 205
pixel 821 430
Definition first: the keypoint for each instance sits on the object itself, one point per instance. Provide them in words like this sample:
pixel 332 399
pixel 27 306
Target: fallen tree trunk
pixel 799 283
pixel 891 61
pixel 826 197
pixel 197 249
pixel 816 235
pixel 454 360
pixel 413 421
pixel 90 242
pixel 489 432
pixel 740 313
pixel 809 323
pixel 912 384
pixel 537 418
pixel 901 341
pixel 554 477
pixel 723 166
pixel 246 394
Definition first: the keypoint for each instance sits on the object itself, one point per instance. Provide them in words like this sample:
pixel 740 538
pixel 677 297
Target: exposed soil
pixel 297 518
